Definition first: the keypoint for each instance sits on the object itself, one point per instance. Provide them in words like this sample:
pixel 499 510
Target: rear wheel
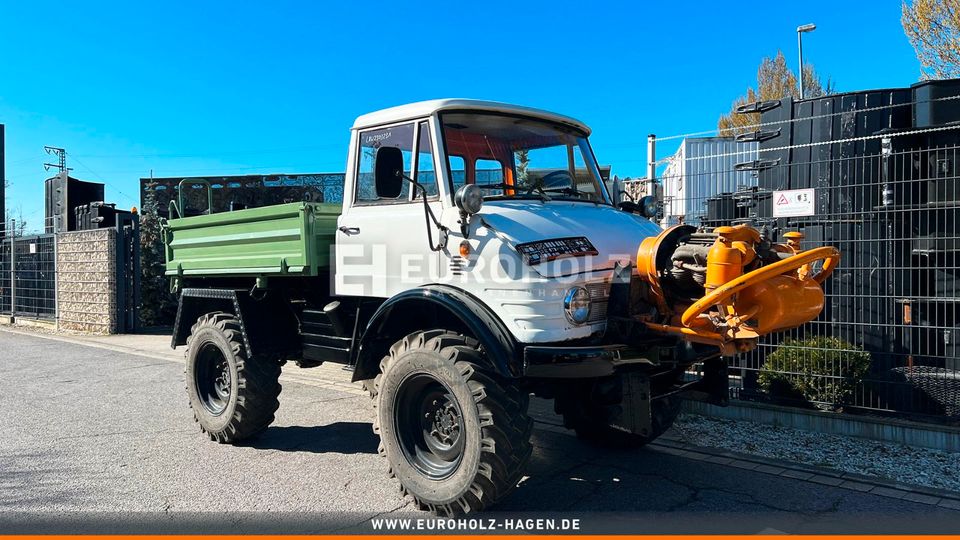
pixel 456 436
pixel 233 396
pixel 590 409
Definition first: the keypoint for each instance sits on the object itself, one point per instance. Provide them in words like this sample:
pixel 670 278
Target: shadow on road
pixel 336 438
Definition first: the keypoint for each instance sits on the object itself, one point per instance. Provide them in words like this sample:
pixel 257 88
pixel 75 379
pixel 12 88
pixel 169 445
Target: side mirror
pixel 469 199
pixel 387 162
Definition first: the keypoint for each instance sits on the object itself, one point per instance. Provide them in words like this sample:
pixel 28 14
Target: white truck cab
pixel 540 249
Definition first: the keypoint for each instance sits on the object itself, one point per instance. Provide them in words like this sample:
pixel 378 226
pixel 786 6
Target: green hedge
pixel 821 369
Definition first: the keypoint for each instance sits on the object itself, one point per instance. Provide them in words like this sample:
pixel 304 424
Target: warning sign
pixel 794 203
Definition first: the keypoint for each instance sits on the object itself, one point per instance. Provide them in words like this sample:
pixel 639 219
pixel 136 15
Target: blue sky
pixel 210 88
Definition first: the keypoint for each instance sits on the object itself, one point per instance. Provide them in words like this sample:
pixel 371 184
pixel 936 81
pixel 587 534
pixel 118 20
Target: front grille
pixel 457 265
pixel 600 296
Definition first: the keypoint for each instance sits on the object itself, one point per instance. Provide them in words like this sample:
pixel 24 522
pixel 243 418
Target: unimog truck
pixel 477 259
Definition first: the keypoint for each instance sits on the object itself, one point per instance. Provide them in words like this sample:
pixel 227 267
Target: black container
pixel 860 295
pixel 928 332
pixel 754 206
pixel 930 106
pixel 943 170
pixel 721 210
pixel 843 173
pixel 63 194
pixel 98 215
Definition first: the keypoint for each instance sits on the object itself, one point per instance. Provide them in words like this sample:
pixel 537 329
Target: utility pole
pixel 61 154
pixel 3 183
pixel 651 164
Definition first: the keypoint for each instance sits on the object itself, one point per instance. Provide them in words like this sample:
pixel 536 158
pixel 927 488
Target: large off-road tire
pixel 233 397
pixel 587 410
pixel 456 436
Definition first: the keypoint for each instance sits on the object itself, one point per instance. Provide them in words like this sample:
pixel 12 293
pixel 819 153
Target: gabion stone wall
pixel 86 281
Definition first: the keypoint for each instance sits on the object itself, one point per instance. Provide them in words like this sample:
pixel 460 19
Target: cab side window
pixel 371 141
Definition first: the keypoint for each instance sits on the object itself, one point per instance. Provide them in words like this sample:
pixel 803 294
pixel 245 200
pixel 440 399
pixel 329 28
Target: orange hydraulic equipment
pixel 730 285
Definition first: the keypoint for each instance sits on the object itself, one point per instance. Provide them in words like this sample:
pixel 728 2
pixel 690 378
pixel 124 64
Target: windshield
pixel 518 157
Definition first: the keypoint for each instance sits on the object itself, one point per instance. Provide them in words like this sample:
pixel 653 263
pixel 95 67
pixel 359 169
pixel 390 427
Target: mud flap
pixel 634 415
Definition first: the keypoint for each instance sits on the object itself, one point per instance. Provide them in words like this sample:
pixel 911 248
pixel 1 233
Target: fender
pixel 267 324
pixel 386 326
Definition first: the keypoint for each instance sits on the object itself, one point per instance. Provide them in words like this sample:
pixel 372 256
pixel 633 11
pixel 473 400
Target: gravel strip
pixel 906 464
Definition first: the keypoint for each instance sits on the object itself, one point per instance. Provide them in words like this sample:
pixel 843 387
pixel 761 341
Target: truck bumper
pixel 558 362
pixel 554 362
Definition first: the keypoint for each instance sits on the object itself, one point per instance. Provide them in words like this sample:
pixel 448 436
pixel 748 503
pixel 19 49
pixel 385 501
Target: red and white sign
pixel 794 203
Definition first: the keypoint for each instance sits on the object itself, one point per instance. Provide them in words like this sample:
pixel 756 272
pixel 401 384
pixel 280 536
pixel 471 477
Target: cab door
pixel 382 237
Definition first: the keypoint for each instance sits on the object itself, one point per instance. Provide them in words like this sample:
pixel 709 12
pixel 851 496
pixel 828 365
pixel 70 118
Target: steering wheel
pixel 552 178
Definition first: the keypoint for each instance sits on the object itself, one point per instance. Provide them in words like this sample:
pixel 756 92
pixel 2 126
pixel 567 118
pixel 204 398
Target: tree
pixel 775 80
pixel 157 305
pixel 21 223
pixel 522 157
pixel 933 28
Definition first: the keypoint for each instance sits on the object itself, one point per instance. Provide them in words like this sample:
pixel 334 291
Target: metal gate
pixel 128 274
pixel 28 277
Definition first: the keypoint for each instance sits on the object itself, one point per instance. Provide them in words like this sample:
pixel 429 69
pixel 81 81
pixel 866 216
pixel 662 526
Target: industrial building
pixel 702 168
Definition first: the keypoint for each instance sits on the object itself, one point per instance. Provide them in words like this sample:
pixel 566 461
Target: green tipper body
pixel 279 240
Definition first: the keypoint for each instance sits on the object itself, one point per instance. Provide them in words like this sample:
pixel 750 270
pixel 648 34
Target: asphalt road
pixel 97 440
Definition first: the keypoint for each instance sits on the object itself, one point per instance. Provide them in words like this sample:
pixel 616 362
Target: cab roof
pixel 422 109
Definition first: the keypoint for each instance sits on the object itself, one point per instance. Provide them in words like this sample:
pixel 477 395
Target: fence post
pixel 651 164
pixel 56 282
pixel 13 269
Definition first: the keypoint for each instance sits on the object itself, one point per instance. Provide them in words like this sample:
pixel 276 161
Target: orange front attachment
pixel 780 303
pixel 738 305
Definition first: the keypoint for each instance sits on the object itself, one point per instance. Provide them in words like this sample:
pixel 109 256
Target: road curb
pixel 312 377
pixel 882 487
pixel 874 485
pixel 86 342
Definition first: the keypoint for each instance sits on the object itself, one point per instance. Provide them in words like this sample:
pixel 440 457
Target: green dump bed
pixel 278 240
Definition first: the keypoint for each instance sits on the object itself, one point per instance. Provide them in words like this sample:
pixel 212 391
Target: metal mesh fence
pixel 5 277
pixel 888 338
pixel 34 294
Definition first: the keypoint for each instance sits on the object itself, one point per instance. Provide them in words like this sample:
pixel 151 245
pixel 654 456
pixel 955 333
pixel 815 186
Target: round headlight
pixel 648 205
pixel 469 198
pixel 576 305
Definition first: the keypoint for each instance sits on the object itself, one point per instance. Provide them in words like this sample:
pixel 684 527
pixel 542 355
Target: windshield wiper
pixel 541 194
pixel 566 190
pixel 501 185
pixel 539 189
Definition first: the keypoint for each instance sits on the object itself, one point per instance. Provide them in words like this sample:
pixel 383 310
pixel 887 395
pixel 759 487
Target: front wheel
pixel 456 436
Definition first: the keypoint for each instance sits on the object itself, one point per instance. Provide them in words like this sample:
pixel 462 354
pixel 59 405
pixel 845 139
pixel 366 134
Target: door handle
pixel 349 230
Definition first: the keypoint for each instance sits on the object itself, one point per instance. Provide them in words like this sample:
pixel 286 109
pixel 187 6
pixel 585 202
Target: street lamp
pixel 800 31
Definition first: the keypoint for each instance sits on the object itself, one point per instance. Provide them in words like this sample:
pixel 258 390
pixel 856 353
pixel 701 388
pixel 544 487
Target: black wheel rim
pixel 213 378
pixel 429 426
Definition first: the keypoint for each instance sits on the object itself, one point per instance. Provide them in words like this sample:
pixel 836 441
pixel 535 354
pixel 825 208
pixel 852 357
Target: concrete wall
pixel 86 281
